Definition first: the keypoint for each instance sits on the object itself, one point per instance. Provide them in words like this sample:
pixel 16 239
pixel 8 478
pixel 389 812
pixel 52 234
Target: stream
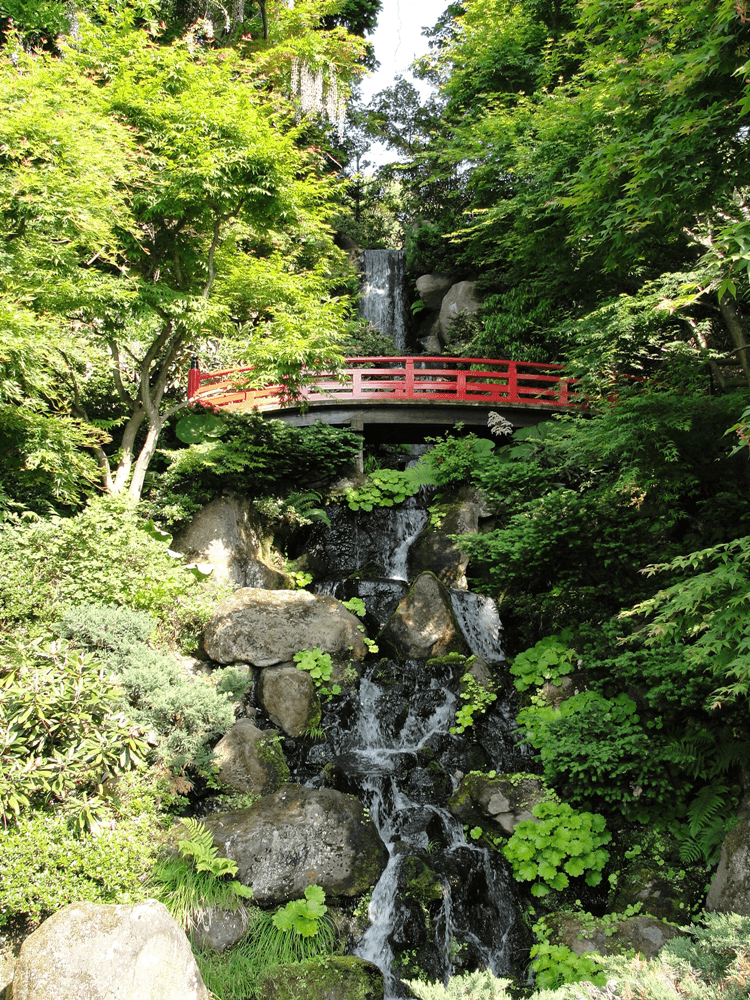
pixel 442 905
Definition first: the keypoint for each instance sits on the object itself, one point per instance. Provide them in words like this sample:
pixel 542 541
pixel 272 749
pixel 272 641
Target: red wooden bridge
pixel 428 391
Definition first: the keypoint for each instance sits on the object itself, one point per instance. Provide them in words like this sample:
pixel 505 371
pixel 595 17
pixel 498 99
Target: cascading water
pixel 383 298
pixel 391 746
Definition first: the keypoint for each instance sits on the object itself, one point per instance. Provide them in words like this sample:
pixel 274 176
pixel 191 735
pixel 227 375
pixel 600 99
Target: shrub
pixel 186 713
pixel 479 985
pixel 559 843
pixel 549 660
pixel 598 746
pixel 102 555
pixel 46 865
pixel 62 730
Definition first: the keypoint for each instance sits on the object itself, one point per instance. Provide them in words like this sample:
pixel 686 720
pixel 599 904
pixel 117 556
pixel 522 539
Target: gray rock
pixel 89 951
pixel 434 551
pixel 730 889
pixel 643 934
pixel 227 534
pixel 432 288
pixel 217 929
pixel 297 837
pixel 506 800
pixel 288 696
pixel 339 977
pixel 424 624
pixel 250 760
pixel 461 298
pixel 556 694
pixel 266 628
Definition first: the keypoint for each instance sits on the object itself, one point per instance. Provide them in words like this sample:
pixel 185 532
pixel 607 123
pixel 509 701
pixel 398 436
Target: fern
pixel 199 845
pixel 195 881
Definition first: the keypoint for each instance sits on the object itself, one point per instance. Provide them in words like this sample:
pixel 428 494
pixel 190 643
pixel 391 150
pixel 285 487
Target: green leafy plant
pixel 554 964
pixel 599 746
pixel 386 487
pixel 549 660
pixel 62 731
pixel 356 605
pixel 319 666
pixel 476 700
pixel 303 916
pixel 559 844
pixel 197 879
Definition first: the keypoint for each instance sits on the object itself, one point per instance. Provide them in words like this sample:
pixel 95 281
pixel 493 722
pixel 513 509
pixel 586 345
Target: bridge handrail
pixel 405 378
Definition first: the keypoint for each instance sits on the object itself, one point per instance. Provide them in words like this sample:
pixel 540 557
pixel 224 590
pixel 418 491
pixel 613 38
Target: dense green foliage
pixel 62 732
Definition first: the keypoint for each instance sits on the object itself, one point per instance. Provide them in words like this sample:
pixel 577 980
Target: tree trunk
pixel 734 323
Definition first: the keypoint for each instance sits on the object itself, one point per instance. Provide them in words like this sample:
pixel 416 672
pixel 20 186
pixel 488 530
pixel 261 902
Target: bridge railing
pixel 419 379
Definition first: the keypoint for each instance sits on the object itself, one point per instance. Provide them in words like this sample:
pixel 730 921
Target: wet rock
pixel 228 535
pixel 266 628
pixel 424 624
pixel 659 896
pixel 643 934
pixel 289 699
pixel 433 287
pixel 434 551
pixel 217 929
pixel 730 888
pixel 506 800
pixel 89 951
pixel 460 298
pixel 250 760
pixel 336 977
pixel 297 837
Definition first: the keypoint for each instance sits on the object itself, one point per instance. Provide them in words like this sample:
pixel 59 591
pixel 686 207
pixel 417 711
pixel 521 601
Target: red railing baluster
pixel 512 396
pixel 409 379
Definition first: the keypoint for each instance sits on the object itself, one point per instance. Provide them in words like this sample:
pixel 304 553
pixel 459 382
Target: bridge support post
pixel 357 424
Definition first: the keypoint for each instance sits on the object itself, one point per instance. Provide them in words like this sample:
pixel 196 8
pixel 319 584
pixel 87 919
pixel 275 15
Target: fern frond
pixel 709 805
pixel 690 851
pixel 420 475
pixel 199 844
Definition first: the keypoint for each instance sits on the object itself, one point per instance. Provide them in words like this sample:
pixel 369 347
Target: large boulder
pixel 643 934
pixel 335 977
pixel 266 627
pixel 432 288
pixel 289 699
pixel 424 624
pixel 460 298
pixel 227 535
pixel 730 889
pixel 434 551
pixel 297 837
pixel 506 799
pixel 90 951
pixel 250 760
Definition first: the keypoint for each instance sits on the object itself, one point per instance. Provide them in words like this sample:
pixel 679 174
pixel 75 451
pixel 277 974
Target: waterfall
pixel 383 301
pixel 390 745
pixel 479 620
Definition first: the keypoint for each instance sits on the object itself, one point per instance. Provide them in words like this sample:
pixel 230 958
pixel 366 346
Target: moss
pixel 333 976
pixel 422 884
pixel 272 757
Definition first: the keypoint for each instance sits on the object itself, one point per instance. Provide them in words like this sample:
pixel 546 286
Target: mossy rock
pixel 330 978
pixel 421 882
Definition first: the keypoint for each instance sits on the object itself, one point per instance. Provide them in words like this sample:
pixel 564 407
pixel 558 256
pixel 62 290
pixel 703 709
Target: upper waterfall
pixel 383 291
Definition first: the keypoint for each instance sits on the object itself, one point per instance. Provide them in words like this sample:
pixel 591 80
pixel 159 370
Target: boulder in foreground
pixel 91 951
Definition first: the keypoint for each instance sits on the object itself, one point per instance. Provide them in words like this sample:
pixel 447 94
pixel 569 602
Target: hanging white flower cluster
pixel 308 86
